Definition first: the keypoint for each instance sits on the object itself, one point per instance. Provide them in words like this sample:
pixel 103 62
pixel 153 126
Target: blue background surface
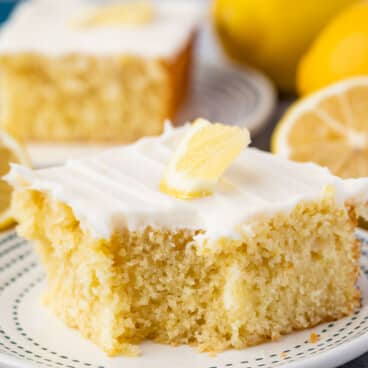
pixel 6 6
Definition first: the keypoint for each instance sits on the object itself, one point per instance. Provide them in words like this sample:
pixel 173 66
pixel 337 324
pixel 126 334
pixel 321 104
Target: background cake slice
pixel 272 250
pixel 71 71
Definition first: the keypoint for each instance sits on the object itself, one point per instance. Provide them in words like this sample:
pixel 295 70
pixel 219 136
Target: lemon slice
pixel 137 13
pixel 10 151
pixel 201 158
pixel 329 128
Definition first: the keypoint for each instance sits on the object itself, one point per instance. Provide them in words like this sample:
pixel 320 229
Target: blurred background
pixel 256 58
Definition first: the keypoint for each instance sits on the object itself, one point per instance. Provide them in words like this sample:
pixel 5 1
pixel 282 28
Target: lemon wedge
pixel 329 128
pixel 201 158
pixel 10 151
pixel 135 13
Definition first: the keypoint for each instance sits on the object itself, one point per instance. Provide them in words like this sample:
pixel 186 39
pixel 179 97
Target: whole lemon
pixel 272 34
pixel 339 52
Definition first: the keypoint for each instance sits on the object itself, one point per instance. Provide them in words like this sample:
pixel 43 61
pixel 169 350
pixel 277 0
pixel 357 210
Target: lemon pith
pixel 328 128
pixel 201 158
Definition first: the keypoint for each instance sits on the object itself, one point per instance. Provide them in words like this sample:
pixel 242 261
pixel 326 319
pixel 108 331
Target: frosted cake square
pixel 73 71
pixel 270 251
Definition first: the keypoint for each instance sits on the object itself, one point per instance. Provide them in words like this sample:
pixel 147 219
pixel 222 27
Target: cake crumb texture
pixel 293 271
pixel 313 338
pixel 80 97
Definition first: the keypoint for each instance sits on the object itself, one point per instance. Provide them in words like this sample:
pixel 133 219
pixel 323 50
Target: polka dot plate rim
pixel 30 336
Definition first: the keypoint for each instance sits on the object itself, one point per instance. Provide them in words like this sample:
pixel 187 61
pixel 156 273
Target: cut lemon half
pixel 10 151
pixel 134 13
pixel 201 158
pixel 329 128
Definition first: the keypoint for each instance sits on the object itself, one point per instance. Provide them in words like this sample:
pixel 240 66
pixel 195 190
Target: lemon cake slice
pixel 74 71
pixel 267 247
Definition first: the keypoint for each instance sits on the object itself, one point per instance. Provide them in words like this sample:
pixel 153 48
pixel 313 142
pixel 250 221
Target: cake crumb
pixel 196 281
pixel 313 338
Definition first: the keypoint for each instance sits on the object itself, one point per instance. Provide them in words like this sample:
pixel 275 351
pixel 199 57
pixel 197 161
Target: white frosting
pixel 44 26
pixel 120 188
pixel 179 180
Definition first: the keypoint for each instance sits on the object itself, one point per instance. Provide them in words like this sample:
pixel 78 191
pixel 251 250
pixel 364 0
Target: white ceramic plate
pixel 31 336
pixel 219 92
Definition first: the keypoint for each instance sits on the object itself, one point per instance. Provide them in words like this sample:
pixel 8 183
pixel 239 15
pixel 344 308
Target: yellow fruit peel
pixel 286 31
pixel 328 128
pixel 201 158
pixel 134 14
pixel 340 51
